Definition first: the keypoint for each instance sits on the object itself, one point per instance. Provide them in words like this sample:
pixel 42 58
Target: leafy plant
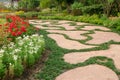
pixel 18 68
pixel 76 5
pixel 21 54
pixel 2 70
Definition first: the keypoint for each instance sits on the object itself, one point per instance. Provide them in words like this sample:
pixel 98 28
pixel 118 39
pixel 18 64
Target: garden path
pixel 82 36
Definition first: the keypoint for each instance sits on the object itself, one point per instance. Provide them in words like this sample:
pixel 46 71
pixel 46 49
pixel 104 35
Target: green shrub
pixel 114 23
pixel 19 12
pixel 76 8
pixel 29 14
pixel 118 14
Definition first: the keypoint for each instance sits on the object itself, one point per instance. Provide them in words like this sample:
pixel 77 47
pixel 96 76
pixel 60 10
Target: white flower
pixel 31 43
pixel 10 64
pixel 35 35
pixel 41 35
pixel 4 47
pixel 2 51
pixel 20 42
pixel 17 50
pixel 15 57
pixel 18 38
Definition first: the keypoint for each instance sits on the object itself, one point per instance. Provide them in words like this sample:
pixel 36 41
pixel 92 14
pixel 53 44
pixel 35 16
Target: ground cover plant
pixel 55 58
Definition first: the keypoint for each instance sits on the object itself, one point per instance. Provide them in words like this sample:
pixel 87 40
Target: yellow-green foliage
pixel 5 11
pixel 19 12
pixel 2 21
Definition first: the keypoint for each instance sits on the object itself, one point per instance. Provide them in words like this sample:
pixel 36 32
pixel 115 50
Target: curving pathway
pixel 69 37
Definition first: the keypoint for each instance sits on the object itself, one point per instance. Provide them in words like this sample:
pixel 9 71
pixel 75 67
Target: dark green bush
pixel 29 14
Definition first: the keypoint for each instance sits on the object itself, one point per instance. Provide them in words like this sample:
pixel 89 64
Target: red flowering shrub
pixel 17 26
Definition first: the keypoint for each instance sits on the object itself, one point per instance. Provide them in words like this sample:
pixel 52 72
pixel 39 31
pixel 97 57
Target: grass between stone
pixel 55 64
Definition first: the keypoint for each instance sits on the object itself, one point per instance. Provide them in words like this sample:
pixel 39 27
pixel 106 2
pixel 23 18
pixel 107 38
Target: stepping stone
pixel 68 44
pixel 68 27
pixel 81 23
pixel 63 21
pixel 100 37
pixel 48 28
pixel 33 22
pixel 90 72
pixel 45 23
pixel 36 21
pixel 78 57
pixel 39 22
pixel 95 27
pixel 71 34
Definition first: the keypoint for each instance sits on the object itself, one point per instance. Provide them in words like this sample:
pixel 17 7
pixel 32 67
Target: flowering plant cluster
pixel 15 57
pixel 12 27
pixel 17 26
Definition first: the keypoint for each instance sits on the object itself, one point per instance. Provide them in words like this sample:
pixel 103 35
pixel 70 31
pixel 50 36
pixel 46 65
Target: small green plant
pixel 76 5
pixel 19 12
pixel 2 70
pixel 18 68
pixel 76 8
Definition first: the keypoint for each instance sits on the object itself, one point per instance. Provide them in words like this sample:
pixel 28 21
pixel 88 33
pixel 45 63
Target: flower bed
pixel 14 27
pixel 15 57
pixel 20 48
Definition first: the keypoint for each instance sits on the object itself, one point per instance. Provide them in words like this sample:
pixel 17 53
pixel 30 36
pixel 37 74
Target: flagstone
pixel 68 27
pixel 68 44
pixel 63 21
pixel 71 34
pixel 90 72
pixel 81 23
pixel 48 28
pixel 100 37
pixel 78 57
pixel 95 27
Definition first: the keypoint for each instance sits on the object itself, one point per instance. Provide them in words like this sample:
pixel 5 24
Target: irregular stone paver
pixel 48 28
pixel 39 22
pixel 63 21
pixel 113 52
pixel 68 27
pixel 81 23
pixel 100 37
pixel 91 72
pixel 95 27
pixel 45 23
pixel 71 34
pixel 68 44
pixel 34 22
